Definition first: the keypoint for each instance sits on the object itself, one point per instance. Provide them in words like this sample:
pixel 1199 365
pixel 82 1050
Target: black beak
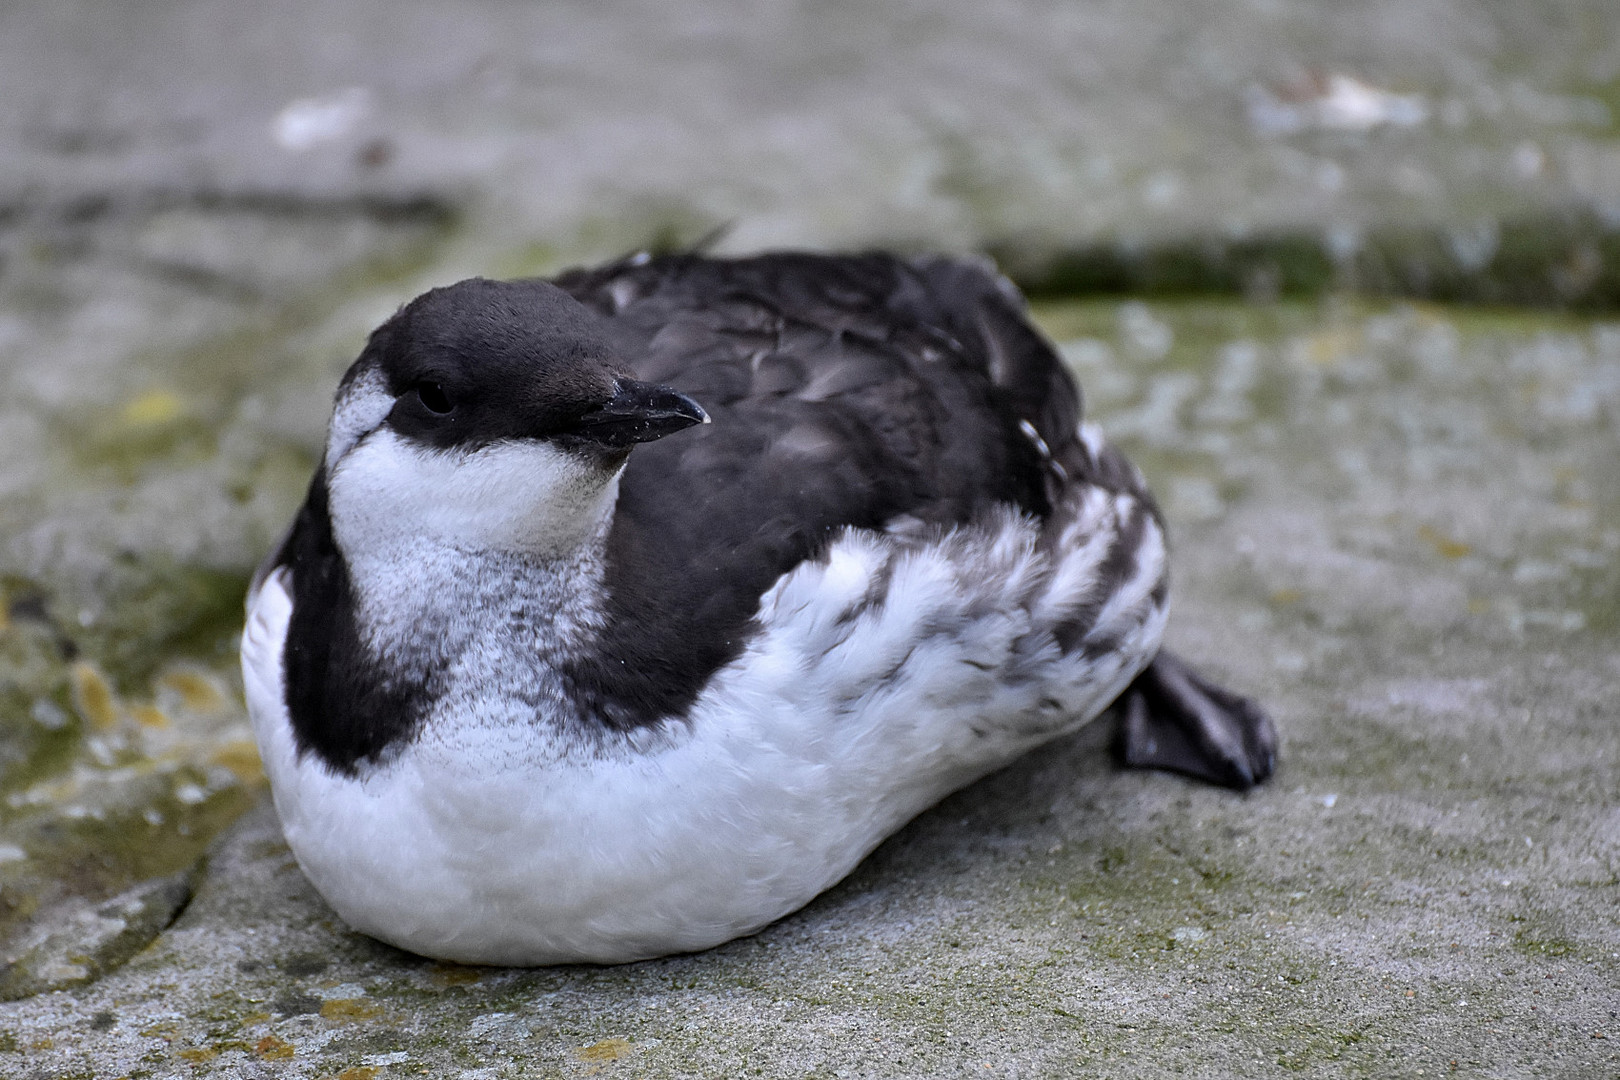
pixel 639 412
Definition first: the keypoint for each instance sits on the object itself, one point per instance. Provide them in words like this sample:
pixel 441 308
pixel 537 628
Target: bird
pixel 629 610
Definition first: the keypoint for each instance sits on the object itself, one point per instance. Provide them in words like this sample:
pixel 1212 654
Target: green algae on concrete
pixel 146 473
pixel 1552 259
pixel 102 795
pixel 77 943
pixel 1396 524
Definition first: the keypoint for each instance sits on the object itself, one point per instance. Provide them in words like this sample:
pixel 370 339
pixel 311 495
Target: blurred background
pixel 1344 278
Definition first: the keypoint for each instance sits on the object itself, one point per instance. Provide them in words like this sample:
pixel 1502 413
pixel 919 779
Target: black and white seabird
pixel 629 611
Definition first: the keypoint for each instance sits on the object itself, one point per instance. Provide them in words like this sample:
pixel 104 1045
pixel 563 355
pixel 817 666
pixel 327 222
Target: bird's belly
pixel 603 862
pixel 882 678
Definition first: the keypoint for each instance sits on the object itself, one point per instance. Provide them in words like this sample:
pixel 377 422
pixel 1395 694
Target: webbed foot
pixel 1173 718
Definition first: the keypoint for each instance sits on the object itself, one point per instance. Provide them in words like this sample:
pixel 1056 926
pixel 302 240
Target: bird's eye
pixel 434 397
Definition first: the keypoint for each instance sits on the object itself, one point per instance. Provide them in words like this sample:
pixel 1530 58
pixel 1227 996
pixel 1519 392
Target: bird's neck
pixel 424 607
pixel 451 551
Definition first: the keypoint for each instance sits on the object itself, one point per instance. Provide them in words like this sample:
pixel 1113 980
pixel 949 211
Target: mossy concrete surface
pixel 1036 125
pixel 1396 524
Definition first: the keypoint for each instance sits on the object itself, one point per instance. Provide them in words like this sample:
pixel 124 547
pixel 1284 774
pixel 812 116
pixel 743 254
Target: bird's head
pixel 488 416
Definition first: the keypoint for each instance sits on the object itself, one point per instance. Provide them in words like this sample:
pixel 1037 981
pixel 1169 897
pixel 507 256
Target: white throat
pixel 519 497
pixel 449 551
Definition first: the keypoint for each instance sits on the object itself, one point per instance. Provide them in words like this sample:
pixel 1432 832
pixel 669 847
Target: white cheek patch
pixel 361 407
pixel 520 496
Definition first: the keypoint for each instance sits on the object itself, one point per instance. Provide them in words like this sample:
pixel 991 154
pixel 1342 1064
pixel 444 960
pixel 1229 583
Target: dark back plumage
pixel 844 391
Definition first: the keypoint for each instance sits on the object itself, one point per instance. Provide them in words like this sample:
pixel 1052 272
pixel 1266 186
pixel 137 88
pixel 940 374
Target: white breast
pixel 884 676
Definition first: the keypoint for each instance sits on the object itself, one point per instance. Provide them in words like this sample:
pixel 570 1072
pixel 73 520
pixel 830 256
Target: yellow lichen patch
pixel 93 696
pixel 1285 597
pixel 199 1054
pixel 240 756
pixel 458 974
pixel 1445 545
pixel 1478 606
pixel 271 1048
pixel 348 1010
pixel 1326 347
pixel 50 792
pixel 152 409
pixel 149 716
pixel 1570 492
pixel 198 692
pixel 359 1072
pixel 605 1050
pixel 254 1018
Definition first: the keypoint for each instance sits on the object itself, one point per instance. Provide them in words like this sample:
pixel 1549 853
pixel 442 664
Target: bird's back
pixel 858 391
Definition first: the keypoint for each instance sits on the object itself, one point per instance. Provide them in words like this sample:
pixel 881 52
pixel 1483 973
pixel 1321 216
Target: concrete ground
pixel 1396 521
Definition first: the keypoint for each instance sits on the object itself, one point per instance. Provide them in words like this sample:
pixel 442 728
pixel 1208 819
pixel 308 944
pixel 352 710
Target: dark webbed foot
pixel 1171 717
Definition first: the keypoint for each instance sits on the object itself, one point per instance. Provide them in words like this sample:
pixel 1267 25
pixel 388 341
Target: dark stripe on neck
pixel 345 706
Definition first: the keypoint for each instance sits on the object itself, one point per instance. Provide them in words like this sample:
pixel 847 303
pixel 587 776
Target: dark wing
pixel 843 391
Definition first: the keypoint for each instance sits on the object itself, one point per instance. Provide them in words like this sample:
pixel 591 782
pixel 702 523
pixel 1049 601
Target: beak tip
pixel 641 412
